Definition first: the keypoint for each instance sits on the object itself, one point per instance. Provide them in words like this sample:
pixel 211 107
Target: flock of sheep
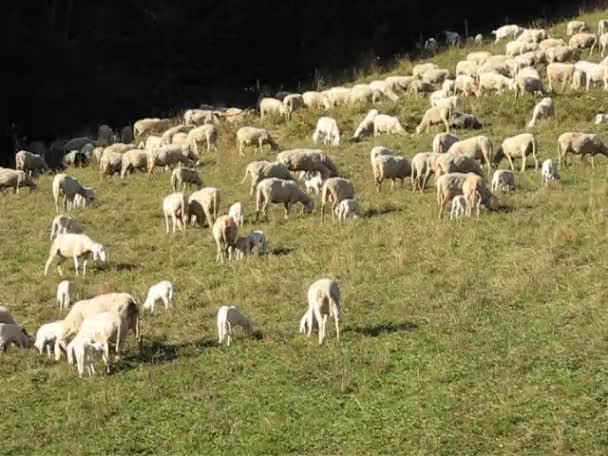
pixel 92 325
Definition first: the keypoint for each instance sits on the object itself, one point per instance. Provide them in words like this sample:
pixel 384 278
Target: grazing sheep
pixel 272 106
pixel 14 334
pixel 459 206
pixel 68 187
pixel 507 31
pixel 175 206
pixel 464 120
pixel 494 81
pixel 151 143
pixel 249 136
pixel 366 125
pixel 602 26
pixel 557 71
pixel 30 163
pixel 236 212
pixel 515 48
pixel 334 190
pixel 544 109
pixel 327 129
pixel 596 73
pixel 110 163
pixel 200 117
pixel 145 127
pixel 313 181
pixel 477 147
pixel 390 167
pixel 227 317
pixel 63 295
pixel 435 76
pixel 583 41
pixel 573 27
pixel 287 192
pixel 181 177
pixel 454 163
pixel 259 171
pixel 532 36
pixel 246 245
pixel 399 83
pixel 475 191
pixel 75 246
pixel 533 86
pixel 348 207
pixel 324 301
pixel 419 165
pixel 388 124
pixel 563 54
pixel 443 141
pixel 47 335
pixel 11 178
pixel 204 205
pixel 308 160
pixel 313 100
pixel 304 322
pixel 133 159
pixel 580 144
pixel 466 68
pixel 518 146
pixel 549 43
pixel 336 96
pixel 418 87
pixel 421 68
pixel 364 94
pixel 162 291
pixel 603 43
pixel 478 57
pixel 206 133
pixel 64 224
pixel 549 172
pixel 167 157
pixel 503 180
pixel 225 232
pixel 465 85
pixel 167 137
pixel 6 317
pixel 448 186
pixel 379 88
pixel 435 116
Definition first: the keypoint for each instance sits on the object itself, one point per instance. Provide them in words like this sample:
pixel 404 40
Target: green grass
pixel 481 337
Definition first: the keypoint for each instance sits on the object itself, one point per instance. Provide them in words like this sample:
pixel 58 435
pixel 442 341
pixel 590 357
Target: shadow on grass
pixel 373 212
pixel 125 267
pixel 385 328
pixel 280 251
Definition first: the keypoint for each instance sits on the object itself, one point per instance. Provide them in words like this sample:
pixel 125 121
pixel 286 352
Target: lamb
pixel 308 160
pixel 68 187
pixel 248 136
pixel 145 127
pixel 507 31
pixel 64 224
pixel 327 128
pixel 600 118
pixel 448 186
pixel 47 335
pixel 335 96
pixel 475 191
pixel 273 190
pixel 453 163
pixel 258 172
pixel 549 172
pixel 133 159
pixel 366 125
pixel 573 27
pixel 227 317
pixel 292 102
pixel 563 72
pixel 443 141
pixel 6 317
pixel 206 133
pixel 14 334
pixel 335 189
pixel 30 163
pixel 465 85
pixel 167 157
pixel 478 147
pixel 313 181
pixel 63 295
pixel 75 246
pixel 518 146
pixel 110 163
pixel 313 100
pixel 225 232
pixel 162 291
pixel 236 212
pixel 580 144
pixel 100 328
pixel 204 205
pixel 435 116
pixel 493 81
pixel 175 206
pixel 387 124
pixel 544 109
pixel 583 41
pixel 324 301
pixel 11 178
pixel 459 206
pixel 304 322
pixel 503 180
pixel 181 177
pixel 348 207
pixel 83 351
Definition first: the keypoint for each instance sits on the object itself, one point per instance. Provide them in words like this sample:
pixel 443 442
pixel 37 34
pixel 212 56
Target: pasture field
pixel 486 336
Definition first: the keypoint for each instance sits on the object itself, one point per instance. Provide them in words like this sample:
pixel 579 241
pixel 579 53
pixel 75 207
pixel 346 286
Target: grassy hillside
pixel 481 337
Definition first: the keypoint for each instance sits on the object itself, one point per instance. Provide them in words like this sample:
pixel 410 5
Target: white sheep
pixel 600 118
pixel 580 144
pixel 503 180
pixel 236 212
pixel 459 207
pixel 494 81
pixel 477 147
pixel 558 71
pixel 324 301
pixel 465 85
pixel 162 291
pixel 75 246
pixel 507 31
pixel 334 190
pixel 259 171
pixel 366 125
pixel 348 207
pixel 327 129
pixel 437 115
pixel 518 146
pixel 30 163
pixel 134 159
pixel 272 106
pixel 313 100
pixel 420 68
pixel 47 335
pixel 249 136
pixel 273 190
pixel 313 181
pixel 68 187
pixel 308 160
pixel 448 186
pixel 204 205
pixel 63 295
pixel 14 334
pixel 225 232
pixel 335 96
pixel 549 172
pixel 227 318
pixel 384 123
pixel 176 207
pixel 182 177
pixel 144 127
pixel 208 133
pixel 602 26
pixel 64 224
pixel 475 191
pixel 390 167
pixel 544 109
pixel 11 178
pixel 573 27
pixel 308 315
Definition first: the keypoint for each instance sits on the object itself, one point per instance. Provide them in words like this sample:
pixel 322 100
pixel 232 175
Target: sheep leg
pixel 286 216
pixel 309 322
pixel 228 333
pixel 84 267
pixel 76 264
pixel 106 357
pixel 523 163
pixel 337 322
pixel 324 324
pixel 166 302
pixel 167 223
pixel 510 162
pixel 320 323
